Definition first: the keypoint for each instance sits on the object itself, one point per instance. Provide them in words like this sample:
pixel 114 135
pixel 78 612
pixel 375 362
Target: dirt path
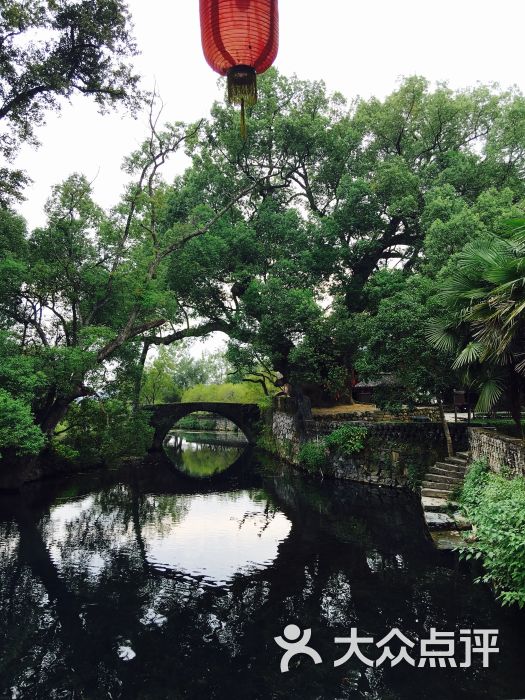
pixel 344 408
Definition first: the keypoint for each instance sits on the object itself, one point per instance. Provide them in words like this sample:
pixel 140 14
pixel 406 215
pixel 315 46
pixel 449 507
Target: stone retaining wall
pixel 395 453
pixel 497 450
pixel 286 435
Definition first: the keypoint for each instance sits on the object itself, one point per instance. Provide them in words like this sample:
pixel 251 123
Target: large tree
pixel 84 290
pixel 274 240
pixel 394 341
pixel 342 192
pixel 50 50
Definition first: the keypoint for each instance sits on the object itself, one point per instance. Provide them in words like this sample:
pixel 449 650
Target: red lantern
pixel 240 39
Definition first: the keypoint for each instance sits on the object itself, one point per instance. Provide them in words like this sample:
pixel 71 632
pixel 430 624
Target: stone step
pixel 436 492
pixel 447 539
pixel 439 521
pixel 466 455
pixel 446 472
pixel 443 478
pixel 454 462
pixel 435 505
pixel 450 467
pixel 443 485
pixel 461 522
pixel 460 461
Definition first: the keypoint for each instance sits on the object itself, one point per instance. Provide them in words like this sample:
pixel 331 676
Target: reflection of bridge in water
pixel 246 417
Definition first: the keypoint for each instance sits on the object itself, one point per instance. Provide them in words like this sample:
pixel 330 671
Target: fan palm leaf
pixel 491 391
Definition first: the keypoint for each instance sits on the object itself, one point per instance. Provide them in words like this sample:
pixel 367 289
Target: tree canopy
pixel 317 245
pixel 48 52
pixel 344 192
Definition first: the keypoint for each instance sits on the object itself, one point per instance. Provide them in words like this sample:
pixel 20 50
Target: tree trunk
pixel 140 374
pixel 304 405
pixel 16 469
pixel 54 414
pixel 446 430
pixel 515 402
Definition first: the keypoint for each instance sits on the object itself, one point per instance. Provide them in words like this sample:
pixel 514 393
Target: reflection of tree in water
pixel 62 622
pixel 261 519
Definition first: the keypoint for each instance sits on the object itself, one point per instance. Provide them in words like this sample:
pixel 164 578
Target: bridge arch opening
pixel 204 439
pixel 247 417
pixel 207 422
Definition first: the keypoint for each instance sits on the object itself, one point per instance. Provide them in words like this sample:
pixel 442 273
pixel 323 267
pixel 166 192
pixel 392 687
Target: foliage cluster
pixel 346 440
pixel 100 431
pixel 495 504
pixel 484 294
pixel 18 431
pixel 224 393
pixel 313 456
pixel 192 422
pixel 20 383
pixel 174 370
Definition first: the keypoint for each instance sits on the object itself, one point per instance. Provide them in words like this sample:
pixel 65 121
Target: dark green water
pixel 145 583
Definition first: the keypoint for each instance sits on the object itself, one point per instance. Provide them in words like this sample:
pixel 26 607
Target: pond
pixel 145 582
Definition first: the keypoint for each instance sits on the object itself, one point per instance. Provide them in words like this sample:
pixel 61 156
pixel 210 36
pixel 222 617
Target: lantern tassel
pixel 242 89
pixel 242 85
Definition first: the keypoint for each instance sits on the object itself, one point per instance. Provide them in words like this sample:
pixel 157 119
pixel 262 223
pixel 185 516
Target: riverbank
pixel 396 450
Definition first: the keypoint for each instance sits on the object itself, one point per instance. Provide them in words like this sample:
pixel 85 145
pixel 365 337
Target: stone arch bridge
pixel 246 416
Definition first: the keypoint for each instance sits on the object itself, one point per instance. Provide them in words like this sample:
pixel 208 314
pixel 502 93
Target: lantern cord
pixel 243 121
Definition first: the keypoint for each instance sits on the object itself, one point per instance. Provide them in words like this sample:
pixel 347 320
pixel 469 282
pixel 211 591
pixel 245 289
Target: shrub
pixel 312 456
pixel 17 426
pixel 415 474
pixel 104 430
pixel 474 485
pixel 348 439
pixel 224 393
pixel 192 422
pixel 496 506
pixel 266 440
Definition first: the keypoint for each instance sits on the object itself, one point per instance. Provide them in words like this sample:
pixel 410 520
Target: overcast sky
pixel 358 48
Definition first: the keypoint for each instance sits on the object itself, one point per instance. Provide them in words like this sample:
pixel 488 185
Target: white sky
pixel 357 48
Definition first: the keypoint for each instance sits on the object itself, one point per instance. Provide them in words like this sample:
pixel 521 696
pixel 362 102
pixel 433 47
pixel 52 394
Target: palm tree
pixel 485 296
